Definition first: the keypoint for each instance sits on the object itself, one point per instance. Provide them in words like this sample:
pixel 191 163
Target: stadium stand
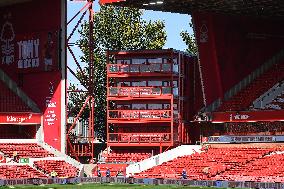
pixel 210 162
pixel 19 171
pixel 32 150
pixel 62 168
pixel 266 169
pixel 35 166
pixel 243 99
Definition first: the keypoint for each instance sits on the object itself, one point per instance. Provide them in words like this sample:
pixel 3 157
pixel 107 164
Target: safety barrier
pixel 196 183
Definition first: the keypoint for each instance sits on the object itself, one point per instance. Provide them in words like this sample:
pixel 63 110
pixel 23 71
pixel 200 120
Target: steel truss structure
pixel 76 148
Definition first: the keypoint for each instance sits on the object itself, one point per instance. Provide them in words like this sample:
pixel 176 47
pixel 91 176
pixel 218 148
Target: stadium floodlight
pixel 153 3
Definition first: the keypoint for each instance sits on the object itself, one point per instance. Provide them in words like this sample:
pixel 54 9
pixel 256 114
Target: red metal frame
pixel 168 68
pixel 76 149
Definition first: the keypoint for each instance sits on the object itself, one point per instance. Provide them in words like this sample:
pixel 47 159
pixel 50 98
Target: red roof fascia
pixel 102 2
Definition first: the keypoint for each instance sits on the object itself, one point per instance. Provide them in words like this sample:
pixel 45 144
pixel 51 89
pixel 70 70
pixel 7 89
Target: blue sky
pixel 175 23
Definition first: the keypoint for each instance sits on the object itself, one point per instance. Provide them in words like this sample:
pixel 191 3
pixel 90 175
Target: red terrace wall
pixel 228 53
pixel 29 40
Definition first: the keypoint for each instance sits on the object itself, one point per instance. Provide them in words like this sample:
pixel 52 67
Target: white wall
pixel 161 158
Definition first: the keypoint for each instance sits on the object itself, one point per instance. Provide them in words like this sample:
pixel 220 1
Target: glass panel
pixel 135 83
pixel 175 84
pixel 134 68
pixel 175 91
pixel 175 114
pixel 138 61
pixel 167 106
pixel 113 68
pixel 166 67
pixel 142 83
pixel 124 68
pixel 113 91
pixel 144 68
pixel 156 91
pixel 166 90
pixel 175 69
pixel 138 106
pixel 154 83
pixel 155 60
pixel 118 61
pixel 155 67
pixel 155 106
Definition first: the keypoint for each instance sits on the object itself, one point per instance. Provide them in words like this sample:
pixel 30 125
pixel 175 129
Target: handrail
pixel 139 91
pixel 140 68
pixel 139 114
pixel 139 137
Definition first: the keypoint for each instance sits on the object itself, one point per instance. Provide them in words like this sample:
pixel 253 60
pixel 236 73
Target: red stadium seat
pixel 62 168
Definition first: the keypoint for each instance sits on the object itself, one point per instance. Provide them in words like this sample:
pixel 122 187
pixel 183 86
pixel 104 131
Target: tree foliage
pixel 115 28
pixel 189 41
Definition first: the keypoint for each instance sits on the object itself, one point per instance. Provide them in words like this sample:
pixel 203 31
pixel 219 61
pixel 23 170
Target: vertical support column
pixel 180 61
pixel 172 120
pixel 172 98
pixel 63 58
pixel 91 78
pixel 107 105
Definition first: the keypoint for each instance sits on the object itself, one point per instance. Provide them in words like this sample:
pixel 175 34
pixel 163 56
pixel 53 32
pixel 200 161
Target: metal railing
pixel 147 138
pixel 139 91
pixel 140 68
pixel 140 114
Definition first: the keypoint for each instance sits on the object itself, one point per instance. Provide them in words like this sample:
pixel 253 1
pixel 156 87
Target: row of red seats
pixel 19 171
pixel 265 169
pixel 204 165
pixel 62 168
pixel 24 150
pixel 10 102
pixel 243 99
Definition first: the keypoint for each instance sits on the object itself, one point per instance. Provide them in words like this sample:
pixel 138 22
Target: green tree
pixel 189 41
pixel 115 28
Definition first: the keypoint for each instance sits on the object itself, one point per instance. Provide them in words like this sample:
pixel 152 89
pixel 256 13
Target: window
pixel 155 60
pixel 154 83
pixel 122 61
pixel 139 106
pixel 138 61
pixel 155 106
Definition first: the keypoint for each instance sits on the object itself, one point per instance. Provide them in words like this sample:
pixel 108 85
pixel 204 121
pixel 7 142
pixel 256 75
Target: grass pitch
pixel 103 186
